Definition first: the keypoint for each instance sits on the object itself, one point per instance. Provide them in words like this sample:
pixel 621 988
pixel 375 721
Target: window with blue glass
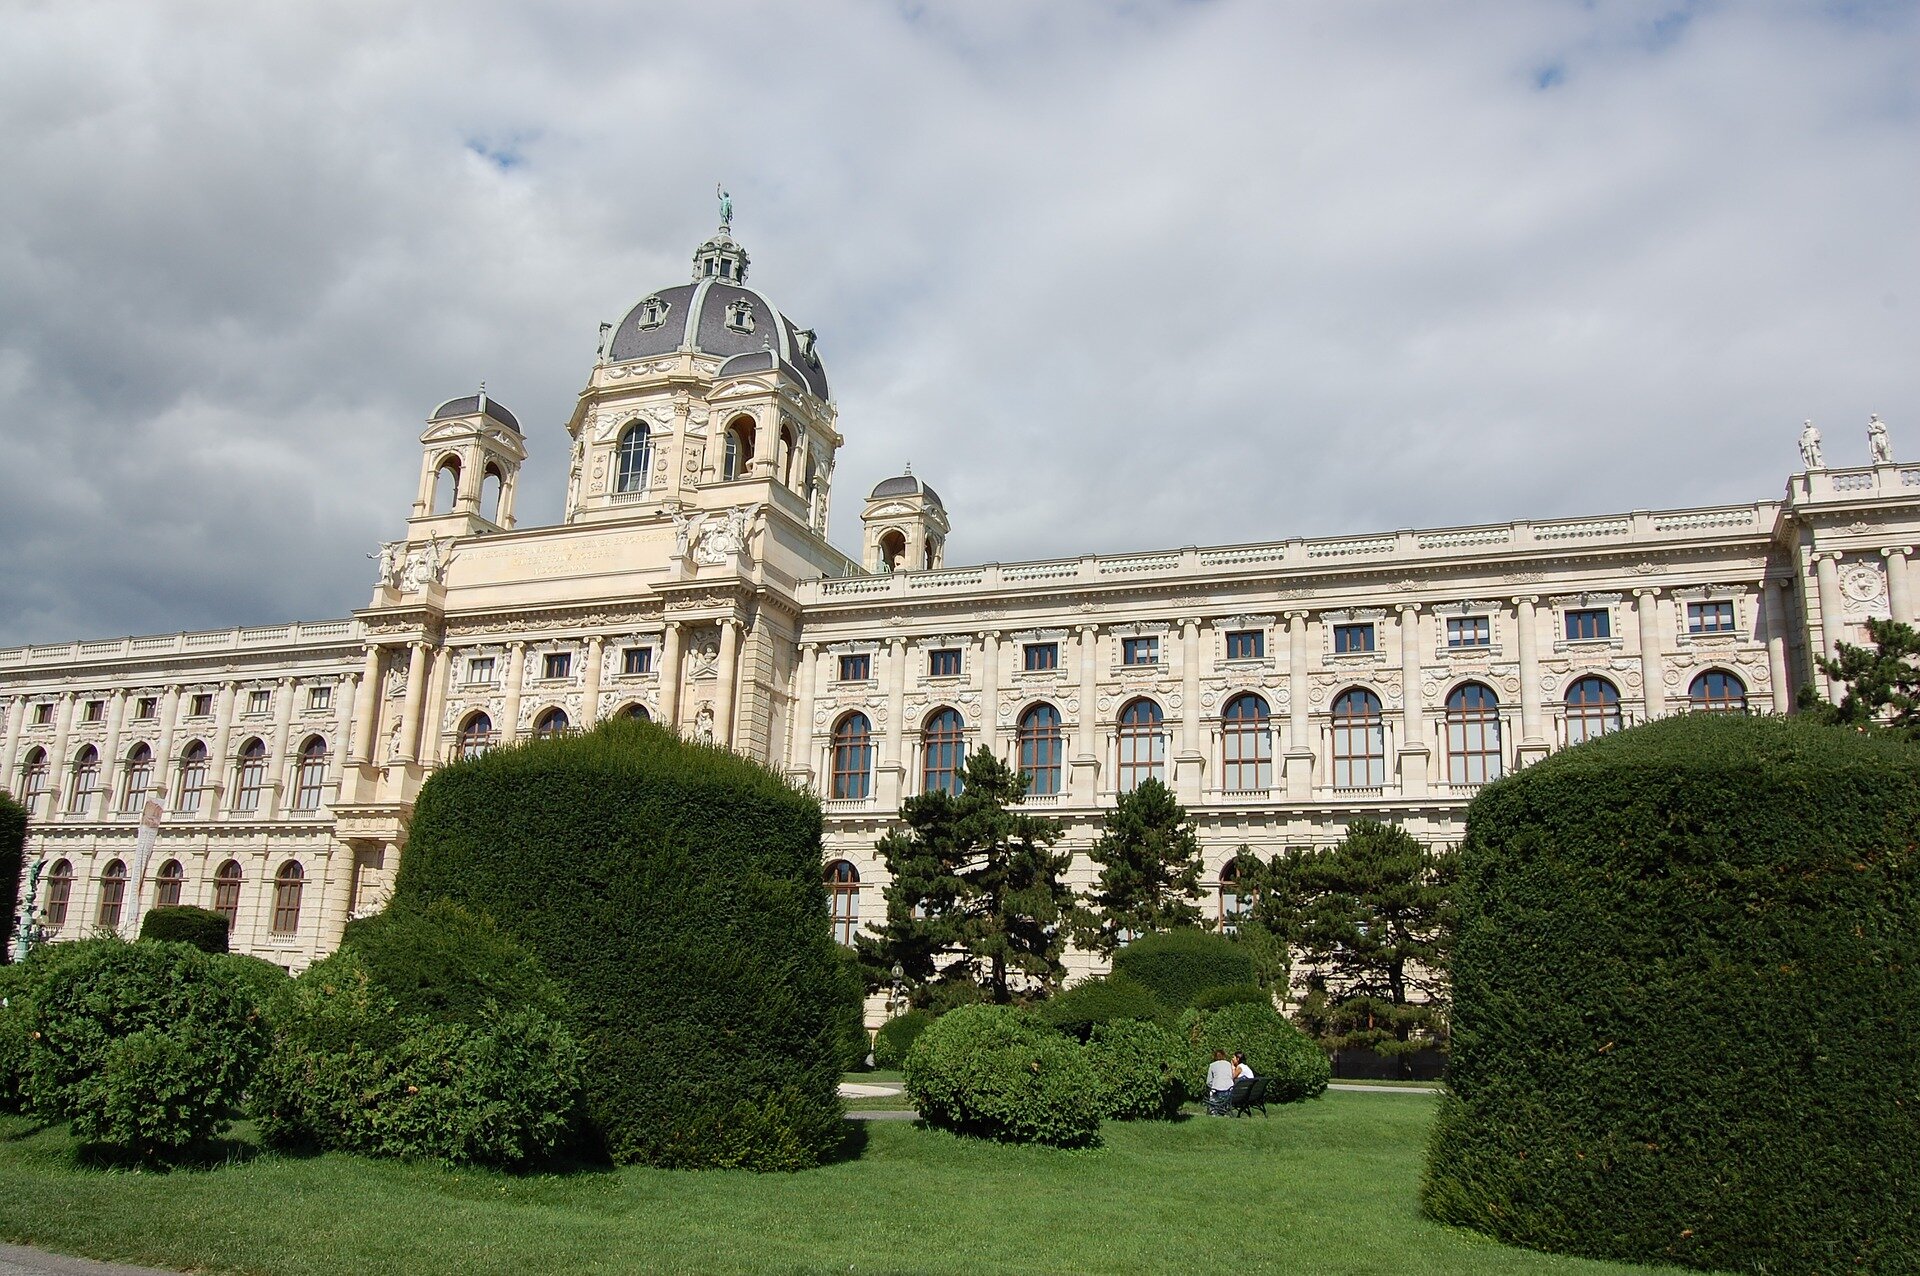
pixel 944 663
pixel 853 757
pixel 1246 644
pixel 1469 631
pixel 1586 624
pixel 944 741
pixel 1038 657
pixel 857 667
pixel 1352 639
pixel 1714 617
pixel 1041 746
pixel 1139 651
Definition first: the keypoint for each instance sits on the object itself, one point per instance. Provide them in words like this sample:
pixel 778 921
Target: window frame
pixel 1599 619
pixel 310 776
pixel 1346 632
pixel 1137 650
pixel 1460 638
pixel 226 891
pixel 1251 642
pixel 1473 736
pixel 854 666
pixel 289 886
pixel 943 751
pixel 1041 748
pixel 945 662
pixel 1140 744
pixel 851 754
pixel 636 662
pixel 168 886
pixel 552 660
pixel 193 777
pixel 843 900
pixel 1246 745
pixel 249 775
pixel 1040 656
pixel 1722 609
pixel 112 905
pixel 1700 699
pixel 1595 716
pixel 59 902
pixel 1366 729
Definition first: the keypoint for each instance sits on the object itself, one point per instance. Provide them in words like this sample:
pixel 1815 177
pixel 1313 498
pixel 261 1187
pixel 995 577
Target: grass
pixel 1325 1187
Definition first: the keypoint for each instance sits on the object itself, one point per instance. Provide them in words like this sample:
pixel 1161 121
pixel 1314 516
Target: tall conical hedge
pixel 13 849
pixel 675 892
pixel 1686 993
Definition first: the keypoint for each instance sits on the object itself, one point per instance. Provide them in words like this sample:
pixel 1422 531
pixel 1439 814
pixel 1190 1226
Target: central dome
pixel 718 314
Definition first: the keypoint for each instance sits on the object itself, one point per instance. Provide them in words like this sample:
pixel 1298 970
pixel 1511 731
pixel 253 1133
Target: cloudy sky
pixel 1110 275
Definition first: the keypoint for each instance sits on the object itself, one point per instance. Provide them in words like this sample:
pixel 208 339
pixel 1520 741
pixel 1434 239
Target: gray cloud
pixel 1109 276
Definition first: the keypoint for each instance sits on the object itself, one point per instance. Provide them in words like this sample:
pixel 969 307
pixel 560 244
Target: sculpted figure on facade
pixel 729 536
pixel 686 529
pixel 573 474
pixel 1879 446
pixel 1810 446
pixel 425 566
pixel 389 560
pixel 703 724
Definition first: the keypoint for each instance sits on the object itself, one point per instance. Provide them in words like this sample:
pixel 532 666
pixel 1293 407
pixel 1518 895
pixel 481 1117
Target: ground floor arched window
pixel 843 891
pixel 288 885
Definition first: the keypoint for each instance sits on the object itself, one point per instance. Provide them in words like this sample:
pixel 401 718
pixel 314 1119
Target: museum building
pixel 1282 688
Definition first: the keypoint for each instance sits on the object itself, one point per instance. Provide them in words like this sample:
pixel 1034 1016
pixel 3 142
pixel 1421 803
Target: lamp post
pixel 897 1001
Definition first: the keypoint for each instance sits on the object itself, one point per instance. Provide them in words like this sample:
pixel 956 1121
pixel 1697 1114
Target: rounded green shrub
pixel 1102 999
pixel 449 964
pixel 144 1047
pixel 851 1012
pixel 13 848
pixel 186 924
pixel 1295 1067
pixel 674 891
pixel 1002 1073
pixel 1684 1002
pixel 1137 1068
pixel 896 1036
pixel 1232 995
pixel 1178 965
pixel 262 979
pixel 16 1035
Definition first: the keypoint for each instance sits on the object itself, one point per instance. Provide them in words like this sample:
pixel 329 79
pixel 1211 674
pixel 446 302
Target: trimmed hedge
pixel 1685 993
pixel 1137 1069
pixel 674 891
pixel 1102 999
pixel 1177 965
pixel 896 1037
pixel 1001 1073
pixel 1232 995
pixel 449 965
pixel 185 924
pixel 1293 1063
pixel 13 849
pixel 16 1035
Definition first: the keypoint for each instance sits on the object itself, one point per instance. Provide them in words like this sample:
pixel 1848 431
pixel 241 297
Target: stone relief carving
pixel 719 539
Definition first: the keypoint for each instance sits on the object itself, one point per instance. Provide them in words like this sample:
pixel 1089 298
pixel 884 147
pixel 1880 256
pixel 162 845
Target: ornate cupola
pixel 470 456
pixel 720 258
pixel 905 527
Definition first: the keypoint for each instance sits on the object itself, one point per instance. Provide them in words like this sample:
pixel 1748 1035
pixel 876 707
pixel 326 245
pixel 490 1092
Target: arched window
pixel 1359 741
pixel 193 777
pixel 853 757
pixel 738 449
pixel 550 724
pixel 1717 691
pixel 33 780
pixel 1593 709
pixel 1233 901
pixel 786 455
pixel 944 738
pixel 1040 748
pixel 133 793
pixel 843 891
pixel 167 884
pixel 86 779
pixel 1473 734
pixel 311 778
pixel 637 711
pixel 113 895
pixel 1143 746
pixel 226 891
pixel 251 775
pixel 635 459
pixel 446 485
pixel 1246 743
pixel 288 884
pixel 492 490
pixel 59 894
pixel 893 551
pixel 476 735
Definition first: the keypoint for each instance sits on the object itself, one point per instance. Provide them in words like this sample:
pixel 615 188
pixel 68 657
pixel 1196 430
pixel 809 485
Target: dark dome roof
pixel 470 405
pixel 905 485
pixel 723 317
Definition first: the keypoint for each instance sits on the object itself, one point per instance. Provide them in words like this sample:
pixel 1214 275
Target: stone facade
pixel 1283 688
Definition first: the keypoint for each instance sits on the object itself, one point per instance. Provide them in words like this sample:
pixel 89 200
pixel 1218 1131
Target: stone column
pixel 989 690
pixel 1084 774
pixel 1190 763
pixel 1414 754
pixel 1533 736
pixel 283 692
pixel 670 677
pixel 164 767
pixel 1833 611
pixel 590 693
pixel 366 709
pixel 59 774
pixel 800 743
pixel 1776 618
pixel 220 764
pixel 17 708
pixel 436 704
pixel 891 780
pixel 514 677
pixel 113 766
pixel 348 691
pixel 411 705
pixel 1299 764
pixel 1653 687
pixel 1899 588
pixel 727 675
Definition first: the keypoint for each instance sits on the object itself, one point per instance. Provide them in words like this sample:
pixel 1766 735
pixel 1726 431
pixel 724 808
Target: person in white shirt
pixel 1241 1070
pixel 1219 1085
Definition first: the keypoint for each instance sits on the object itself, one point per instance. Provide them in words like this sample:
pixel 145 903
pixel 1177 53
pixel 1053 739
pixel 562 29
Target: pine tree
pixel 1882 682
pixel 975 886
pixel 1150 870
pixel 1378 920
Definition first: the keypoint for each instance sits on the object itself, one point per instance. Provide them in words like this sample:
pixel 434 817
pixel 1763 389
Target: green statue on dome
pixel 726 207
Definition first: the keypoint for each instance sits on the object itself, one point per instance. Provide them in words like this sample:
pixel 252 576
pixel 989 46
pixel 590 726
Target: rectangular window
pixel 43 715
pixel 944 663
pixel 479 668
pixel 1469 631
pixel 636 660
pixel 557 664
pixel 1039 657
pixel 1710 618
pixel 146 708
pixel 1246 644
pixel 857 667
pixel 93 711
pixel 1352 639
pixel 319 698
pixel 1139 651
pixel 259 701
pixel 1589 623
pixel 200 705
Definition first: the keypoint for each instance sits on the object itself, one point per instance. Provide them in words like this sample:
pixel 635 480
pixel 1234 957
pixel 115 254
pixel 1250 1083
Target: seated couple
pixel 1222 1074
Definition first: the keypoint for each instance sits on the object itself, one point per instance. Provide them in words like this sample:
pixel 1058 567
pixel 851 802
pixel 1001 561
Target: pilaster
pixel 1827 574
pixel 1899 587
pixel 727 680
pixel 515 680
pixel 590 692
pixel 1414 756
pixel 1775 599
pixel 670 676
pixel 1653 687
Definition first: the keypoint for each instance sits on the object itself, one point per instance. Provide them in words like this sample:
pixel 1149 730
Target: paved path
pixel 18 1260
pixel 867 1090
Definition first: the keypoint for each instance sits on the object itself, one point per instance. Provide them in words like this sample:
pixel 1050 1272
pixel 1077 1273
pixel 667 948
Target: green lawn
pixel 1323 1187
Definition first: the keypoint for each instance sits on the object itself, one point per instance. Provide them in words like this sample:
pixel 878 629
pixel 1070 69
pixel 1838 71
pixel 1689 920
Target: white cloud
pixel 1110 276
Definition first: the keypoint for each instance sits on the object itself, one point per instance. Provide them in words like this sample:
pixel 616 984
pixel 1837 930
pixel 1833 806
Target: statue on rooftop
pixel 1879 446
pixel 726 206
pixel 1810 446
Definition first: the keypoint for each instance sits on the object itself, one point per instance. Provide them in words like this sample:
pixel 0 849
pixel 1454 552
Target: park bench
pixel 1248 1095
